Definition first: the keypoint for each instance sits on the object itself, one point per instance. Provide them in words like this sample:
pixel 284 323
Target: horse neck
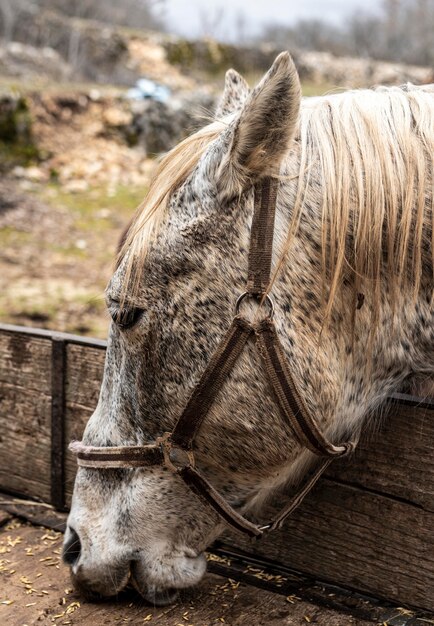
pixel 349 365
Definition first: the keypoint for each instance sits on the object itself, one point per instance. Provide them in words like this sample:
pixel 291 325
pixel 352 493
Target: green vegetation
pixel 66 291
pixel 215 57
pixel 16 142
pixel 315 89
pixel 89 203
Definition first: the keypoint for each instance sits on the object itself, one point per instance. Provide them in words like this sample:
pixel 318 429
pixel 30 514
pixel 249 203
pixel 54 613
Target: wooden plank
pixel 359 539
pixel 43 333
pixel 34 512
pixel 25 361
pixel 77 419
pixel 84 372
pixel 395 459
pixel 5 517
pixel 25 404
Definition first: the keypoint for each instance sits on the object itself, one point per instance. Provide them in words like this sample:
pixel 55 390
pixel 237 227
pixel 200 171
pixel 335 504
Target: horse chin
pixel 160 585
pixel 154 596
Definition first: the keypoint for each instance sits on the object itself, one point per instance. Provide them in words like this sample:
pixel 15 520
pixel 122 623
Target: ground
pixel 57 253
pixel 35 590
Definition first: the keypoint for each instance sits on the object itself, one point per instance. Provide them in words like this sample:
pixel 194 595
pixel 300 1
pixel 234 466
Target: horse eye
pixel 126 317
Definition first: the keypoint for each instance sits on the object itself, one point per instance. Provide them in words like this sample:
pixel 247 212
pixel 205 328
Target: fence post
pixel 58 364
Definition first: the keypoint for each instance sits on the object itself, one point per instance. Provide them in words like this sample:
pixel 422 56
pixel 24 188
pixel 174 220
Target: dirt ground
pixel 35 590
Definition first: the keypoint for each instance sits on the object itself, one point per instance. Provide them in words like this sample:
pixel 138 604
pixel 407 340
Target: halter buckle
pixel 175 459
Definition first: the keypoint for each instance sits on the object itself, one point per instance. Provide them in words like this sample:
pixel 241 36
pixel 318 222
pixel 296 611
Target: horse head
pixel 183 265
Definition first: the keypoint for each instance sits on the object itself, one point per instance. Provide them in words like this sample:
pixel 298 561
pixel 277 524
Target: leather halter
pixel 175 449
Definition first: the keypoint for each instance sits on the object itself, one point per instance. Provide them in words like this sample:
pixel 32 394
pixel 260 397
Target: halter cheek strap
pixel 174 450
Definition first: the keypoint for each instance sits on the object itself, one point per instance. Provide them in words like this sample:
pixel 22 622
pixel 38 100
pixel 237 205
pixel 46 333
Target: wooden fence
pixel 368 525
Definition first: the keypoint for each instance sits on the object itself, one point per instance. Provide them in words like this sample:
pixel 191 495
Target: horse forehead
pixel 196 197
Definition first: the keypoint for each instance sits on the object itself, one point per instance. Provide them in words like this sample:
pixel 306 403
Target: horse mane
pixel 370 154
pixel 371 151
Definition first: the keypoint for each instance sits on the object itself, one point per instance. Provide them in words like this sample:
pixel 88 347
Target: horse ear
pixel 235 94
pixel 263 130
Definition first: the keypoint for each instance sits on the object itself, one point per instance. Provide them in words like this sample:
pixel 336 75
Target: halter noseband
pixel 174 450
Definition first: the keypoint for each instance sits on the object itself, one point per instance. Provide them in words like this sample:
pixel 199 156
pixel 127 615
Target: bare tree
pixel 401 31
pixel 10 11
pixel 241 27
pixel 133 13
pixel 364 36
pixel 392 26
pixel 312 34
pixel 211 21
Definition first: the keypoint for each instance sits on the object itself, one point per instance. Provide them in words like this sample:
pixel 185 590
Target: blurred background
pixel 92 91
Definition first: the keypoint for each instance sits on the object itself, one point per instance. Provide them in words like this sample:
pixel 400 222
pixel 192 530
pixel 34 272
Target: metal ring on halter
pixel 261 299
pixel 175 459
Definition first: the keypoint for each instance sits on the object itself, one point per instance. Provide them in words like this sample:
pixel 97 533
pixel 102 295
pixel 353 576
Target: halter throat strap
pixel 175 449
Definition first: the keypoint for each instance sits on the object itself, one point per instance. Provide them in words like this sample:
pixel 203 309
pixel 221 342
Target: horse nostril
pixel 72 548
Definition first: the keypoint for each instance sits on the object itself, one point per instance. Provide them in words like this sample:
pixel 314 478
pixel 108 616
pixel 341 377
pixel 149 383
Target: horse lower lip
pixel 156 597
pixel 161 598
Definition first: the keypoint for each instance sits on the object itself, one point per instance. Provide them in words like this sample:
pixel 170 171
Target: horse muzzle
pixel 156 577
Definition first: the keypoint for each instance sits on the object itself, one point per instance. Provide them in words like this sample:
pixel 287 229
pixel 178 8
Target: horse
pixel 352 288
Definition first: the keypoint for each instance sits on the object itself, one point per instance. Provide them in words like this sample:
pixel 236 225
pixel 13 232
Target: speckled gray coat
pixel 147 520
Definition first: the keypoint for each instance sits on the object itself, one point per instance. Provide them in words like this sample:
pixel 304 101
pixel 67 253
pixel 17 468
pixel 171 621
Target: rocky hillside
pixel 88 50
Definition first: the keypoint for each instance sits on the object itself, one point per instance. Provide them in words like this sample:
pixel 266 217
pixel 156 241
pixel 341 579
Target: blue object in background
pixel 146 89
